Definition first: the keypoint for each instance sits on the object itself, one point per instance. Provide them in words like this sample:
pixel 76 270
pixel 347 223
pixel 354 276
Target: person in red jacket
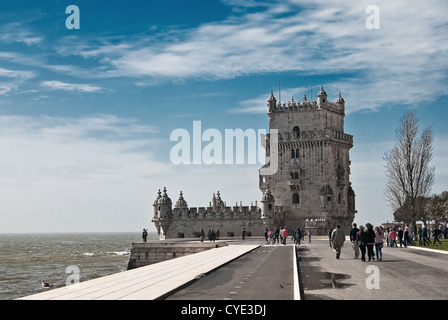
pixel 284 235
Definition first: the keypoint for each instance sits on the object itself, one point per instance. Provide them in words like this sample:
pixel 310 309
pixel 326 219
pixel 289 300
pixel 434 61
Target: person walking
pixel 337 238
pixel 298 236
pixel 410 239
pixel 400 237
pixel 436 234
pixel 379 243
pixel 406 237
pixel 425 236
pixel 386 236
pixel 393 238
pixel 284 235
pixel 309 236
pixel 354 241
pixel 329 236
pixel 266 233
pixel 370 241
pixel 277 234
pixel 212 235
pixel 202 235
pixel 420 236
pixel 271 236
pixel 362 241
pixel 243 234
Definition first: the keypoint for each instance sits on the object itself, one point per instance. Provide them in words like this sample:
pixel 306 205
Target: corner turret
pixel 321 97
pixel 267 203
pixel 272 102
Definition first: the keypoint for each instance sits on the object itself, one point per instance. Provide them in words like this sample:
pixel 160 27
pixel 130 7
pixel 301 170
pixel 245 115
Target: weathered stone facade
pixel 305 181
pixel 311 182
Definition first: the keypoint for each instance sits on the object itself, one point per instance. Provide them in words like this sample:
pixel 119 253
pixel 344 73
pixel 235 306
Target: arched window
pixel 296 131
pixel 293 153
pixel 297 153
pixel 295 198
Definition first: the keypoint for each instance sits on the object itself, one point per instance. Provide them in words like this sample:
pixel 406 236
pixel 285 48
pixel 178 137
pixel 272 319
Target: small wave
pixel 90 254
pixel 119 253
pixel 110 253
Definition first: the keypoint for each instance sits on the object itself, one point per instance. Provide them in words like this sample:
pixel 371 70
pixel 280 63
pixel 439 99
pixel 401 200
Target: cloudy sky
pixel 86 114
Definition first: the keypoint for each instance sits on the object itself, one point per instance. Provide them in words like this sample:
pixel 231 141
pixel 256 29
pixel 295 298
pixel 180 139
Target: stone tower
pixel 311 179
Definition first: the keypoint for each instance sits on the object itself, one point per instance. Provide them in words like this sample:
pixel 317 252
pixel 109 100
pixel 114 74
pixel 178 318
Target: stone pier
pixel 146 253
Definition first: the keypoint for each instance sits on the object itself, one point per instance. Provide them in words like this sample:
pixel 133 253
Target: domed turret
pixel 272 102
pixel 164 199
pixel 340 100
pixel 267 203
pixel 164 205
pixel 321 96
pixel 181 203
pixel 267 196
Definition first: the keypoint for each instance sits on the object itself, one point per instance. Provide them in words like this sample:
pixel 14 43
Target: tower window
pixel 296 131
pixel 297 153
pixel 295 198
pixel 293 153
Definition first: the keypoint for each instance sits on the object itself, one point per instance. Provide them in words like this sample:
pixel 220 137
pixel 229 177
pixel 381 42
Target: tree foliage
pixel 437 208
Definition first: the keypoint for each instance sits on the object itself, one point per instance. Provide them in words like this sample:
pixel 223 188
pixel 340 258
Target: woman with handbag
pixel 361 237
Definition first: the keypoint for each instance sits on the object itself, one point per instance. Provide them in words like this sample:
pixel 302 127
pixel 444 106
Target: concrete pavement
pixel 403 274
pixel 252 270
pixel 149 282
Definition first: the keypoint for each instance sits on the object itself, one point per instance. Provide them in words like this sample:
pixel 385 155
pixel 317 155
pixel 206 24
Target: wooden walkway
pixel 150 282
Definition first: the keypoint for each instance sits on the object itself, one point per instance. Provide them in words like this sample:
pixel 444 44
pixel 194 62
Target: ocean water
pixel 26 259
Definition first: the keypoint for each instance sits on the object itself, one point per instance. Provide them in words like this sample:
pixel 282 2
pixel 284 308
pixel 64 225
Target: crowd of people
pixel 366 240
pixel 370 240
pixel 281 235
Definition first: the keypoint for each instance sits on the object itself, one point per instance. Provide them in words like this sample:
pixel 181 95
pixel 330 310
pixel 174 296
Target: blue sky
pixel 86 115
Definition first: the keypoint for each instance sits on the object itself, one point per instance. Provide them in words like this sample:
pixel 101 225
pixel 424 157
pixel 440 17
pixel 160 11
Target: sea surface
pixel 26 259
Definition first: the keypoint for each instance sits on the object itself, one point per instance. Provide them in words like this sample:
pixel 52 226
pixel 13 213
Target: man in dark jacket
pixel 370 241
pixel 400 237
pixel 354 240
pixel 436 234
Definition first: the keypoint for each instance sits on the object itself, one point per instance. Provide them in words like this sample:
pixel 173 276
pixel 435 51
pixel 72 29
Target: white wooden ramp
pixel 150 282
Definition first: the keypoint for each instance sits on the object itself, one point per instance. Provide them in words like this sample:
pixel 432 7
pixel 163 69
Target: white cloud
pixel 15 78
pixel 99 173
pixel 62 174
pixel 16 74
pixel 59 85
pixel 403 62
pixel 15 32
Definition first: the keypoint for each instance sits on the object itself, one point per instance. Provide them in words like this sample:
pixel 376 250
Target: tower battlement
pixel 306 105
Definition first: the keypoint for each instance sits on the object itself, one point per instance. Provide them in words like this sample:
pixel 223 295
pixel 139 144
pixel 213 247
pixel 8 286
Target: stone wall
pixel 146 253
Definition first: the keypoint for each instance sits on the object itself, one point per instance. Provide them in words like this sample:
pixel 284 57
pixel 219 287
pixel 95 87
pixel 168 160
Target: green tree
pixel 437 208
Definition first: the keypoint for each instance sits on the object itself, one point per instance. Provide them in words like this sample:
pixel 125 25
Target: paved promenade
pixel 251 270
pixel 403 274
pixel 150 282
